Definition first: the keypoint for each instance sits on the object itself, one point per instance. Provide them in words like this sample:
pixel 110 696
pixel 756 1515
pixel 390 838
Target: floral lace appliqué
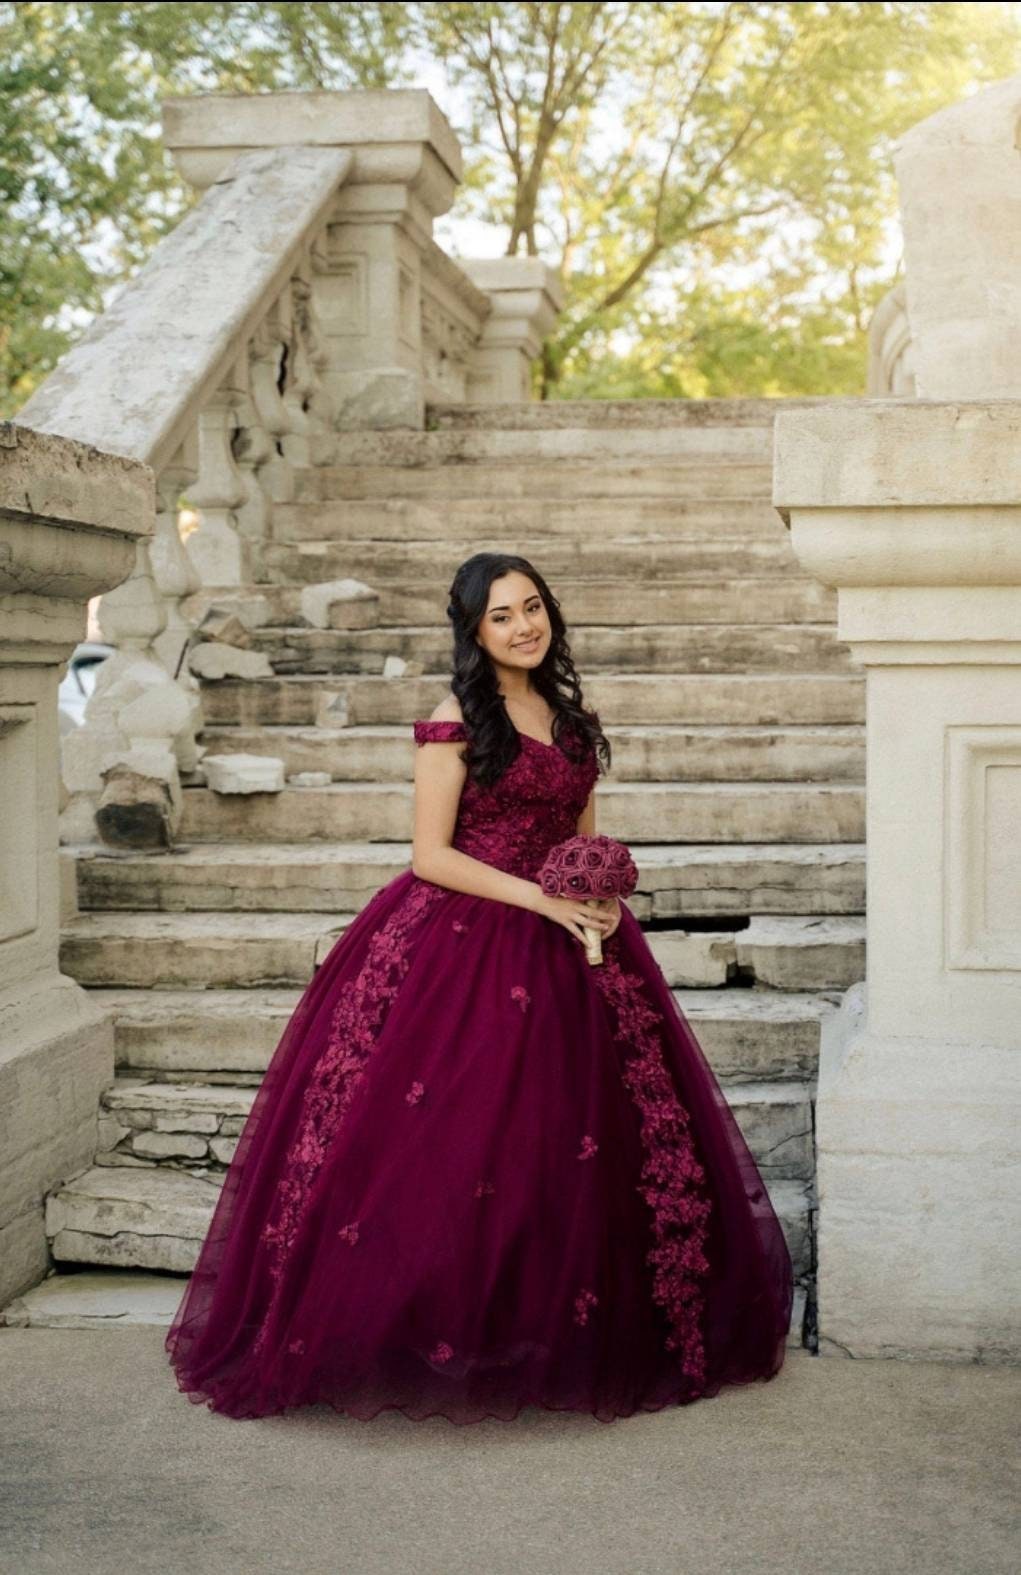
pixel 589 1146
pixel 483 1188
pixel 354 1029
pixel 521 995
pixel 582 1302
pixel 441 1352
pixel 673 1181
pixel 414 1093
pixel 513 823
pixel 349 1233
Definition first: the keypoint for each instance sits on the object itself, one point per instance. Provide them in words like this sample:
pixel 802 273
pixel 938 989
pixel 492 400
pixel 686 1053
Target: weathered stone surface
pixel 677 648
pixel 633 699
pixel 634 812
pixel 674 881
pixel 232 949
pixel 309 779
pixel 169 1145
pixel 129 384
pixel 226 628
pixel 129 1218
pixel 243 773
pixel 136 811
pixel 340 604
pixel 214 661
pixel 648 752
pixel 803 954
pixel 694 959
pixel 96 1301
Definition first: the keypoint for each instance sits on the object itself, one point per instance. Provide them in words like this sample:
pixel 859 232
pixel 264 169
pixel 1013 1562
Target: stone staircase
pixel 736 722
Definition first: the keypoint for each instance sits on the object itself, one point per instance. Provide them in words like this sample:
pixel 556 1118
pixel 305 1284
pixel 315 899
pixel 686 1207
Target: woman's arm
pixel 439 778
pixel 586 826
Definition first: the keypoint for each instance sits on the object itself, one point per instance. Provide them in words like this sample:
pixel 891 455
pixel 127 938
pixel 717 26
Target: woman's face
pixel 515 627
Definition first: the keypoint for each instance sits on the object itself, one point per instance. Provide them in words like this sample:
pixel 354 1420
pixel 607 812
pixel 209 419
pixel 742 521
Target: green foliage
pixel 714 179
pixel 86 187
pixel 720 185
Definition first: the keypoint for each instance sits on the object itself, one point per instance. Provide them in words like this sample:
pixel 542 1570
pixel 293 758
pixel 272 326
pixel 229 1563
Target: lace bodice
pixel 535 804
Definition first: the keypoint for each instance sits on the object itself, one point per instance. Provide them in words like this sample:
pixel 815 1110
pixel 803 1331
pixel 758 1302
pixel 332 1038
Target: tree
pixel 85 184
pixel 662 152
pixel 713 179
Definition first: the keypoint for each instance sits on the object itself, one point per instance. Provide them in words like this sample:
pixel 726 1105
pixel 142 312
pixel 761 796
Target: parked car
pixel 79 681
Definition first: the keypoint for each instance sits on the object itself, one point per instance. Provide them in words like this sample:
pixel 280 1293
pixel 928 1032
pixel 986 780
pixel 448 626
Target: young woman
pixel 482 1172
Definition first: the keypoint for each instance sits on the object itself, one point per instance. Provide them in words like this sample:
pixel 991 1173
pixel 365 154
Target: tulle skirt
pixel 482 1173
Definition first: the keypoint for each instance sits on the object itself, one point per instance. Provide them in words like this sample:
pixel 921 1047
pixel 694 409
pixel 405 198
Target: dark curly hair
pixel 493 741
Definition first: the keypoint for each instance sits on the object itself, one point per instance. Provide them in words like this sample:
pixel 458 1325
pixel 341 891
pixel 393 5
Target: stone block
pixel 170 1145
pixel 104 1300
pixel 339 604
pixel 213 661
pixel 136 811
pixel 243 773
pixel 694 959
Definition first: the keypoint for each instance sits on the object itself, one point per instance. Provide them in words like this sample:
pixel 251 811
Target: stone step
pixel 146 950
pixel 106 1299
pixel 695 476
pixel 674 881
pixel 129 1218
pixel 637 699
pixel 791 953
pixel 561 523
pixel 128 1298
pixel 236 950
pixel 680 445
pixel 334 557
pixel 194 1127
pixel 640 648
pixel 600 603
pixel 613 415
pixel 385 753
pixel 633 812
pixel 211 1036
pixel 132 1218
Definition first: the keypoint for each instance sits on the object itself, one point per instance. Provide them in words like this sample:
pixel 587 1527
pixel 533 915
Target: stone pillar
pixel 70 517
pixel 526 298
pixel 959 174
pixel 913 511
pixel 368 281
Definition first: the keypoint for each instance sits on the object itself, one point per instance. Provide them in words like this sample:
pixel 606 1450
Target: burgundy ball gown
pixel 483 1173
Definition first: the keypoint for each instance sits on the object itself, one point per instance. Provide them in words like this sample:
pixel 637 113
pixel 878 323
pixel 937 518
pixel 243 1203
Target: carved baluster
pixel 267 354
pixel 173 572
pixel 217 547
pixel 308 405
pixel 253 449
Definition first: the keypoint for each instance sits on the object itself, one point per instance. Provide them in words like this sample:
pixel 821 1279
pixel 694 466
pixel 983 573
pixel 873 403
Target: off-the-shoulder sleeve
pixel 439 732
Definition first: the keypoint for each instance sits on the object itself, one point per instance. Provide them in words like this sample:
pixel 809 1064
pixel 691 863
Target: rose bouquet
pixel 590 868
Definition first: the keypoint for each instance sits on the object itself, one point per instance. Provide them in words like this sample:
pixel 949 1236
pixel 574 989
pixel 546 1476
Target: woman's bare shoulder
pixel 448 710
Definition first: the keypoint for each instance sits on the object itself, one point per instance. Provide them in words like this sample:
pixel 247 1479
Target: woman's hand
pixel 611 907
pixel 575 914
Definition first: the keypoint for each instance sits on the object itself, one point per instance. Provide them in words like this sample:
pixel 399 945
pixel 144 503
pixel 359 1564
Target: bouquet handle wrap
pixel 590 869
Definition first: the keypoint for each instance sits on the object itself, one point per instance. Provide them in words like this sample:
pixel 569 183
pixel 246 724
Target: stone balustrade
pixel 912 509
pixel 71 519
pixel 302 296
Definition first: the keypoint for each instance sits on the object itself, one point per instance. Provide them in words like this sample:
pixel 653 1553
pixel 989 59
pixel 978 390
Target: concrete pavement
pixel 836 1466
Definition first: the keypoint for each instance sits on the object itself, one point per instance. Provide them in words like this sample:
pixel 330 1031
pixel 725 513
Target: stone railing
pixel 302 296
pixel 70 519
pixel 911 507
